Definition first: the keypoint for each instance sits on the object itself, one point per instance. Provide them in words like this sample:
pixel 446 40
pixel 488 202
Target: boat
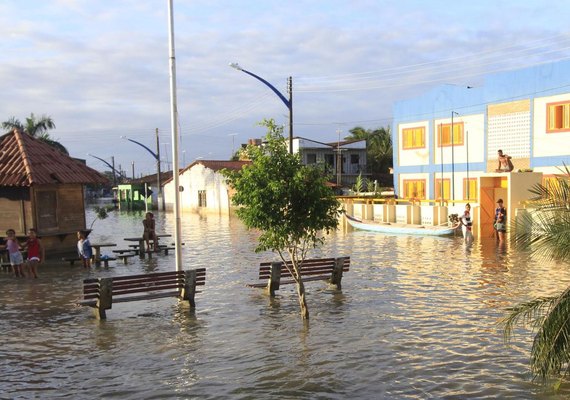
pixel 397 228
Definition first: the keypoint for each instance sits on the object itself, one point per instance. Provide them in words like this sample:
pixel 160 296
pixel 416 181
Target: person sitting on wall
pixel 505 163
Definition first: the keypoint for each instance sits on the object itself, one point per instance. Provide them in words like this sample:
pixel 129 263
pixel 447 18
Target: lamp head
pixel 236 66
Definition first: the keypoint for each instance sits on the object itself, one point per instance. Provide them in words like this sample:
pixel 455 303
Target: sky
pixel 100 68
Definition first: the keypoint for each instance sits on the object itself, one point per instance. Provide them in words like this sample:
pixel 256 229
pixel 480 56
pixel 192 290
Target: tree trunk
pixel 302 300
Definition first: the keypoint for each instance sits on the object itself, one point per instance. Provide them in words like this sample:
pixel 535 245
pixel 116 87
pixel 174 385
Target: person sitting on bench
pixel 149 231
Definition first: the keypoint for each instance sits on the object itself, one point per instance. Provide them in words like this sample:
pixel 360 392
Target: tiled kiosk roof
pixel 26 161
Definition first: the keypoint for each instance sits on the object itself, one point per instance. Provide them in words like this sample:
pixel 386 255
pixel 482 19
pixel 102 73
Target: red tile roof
pixel 215 165
pixel 26 161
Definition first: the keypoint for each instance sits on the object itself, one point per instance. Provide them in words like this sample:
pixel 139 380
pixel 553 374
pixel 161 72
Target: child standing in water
pixel 84 249
pixel 36 253
pixel 16 259
pixel 467 224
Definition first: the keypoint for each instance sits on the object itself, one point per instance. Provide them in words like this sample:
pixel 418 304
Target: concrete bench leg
pixel 274 278
pixel 189 291
pixel 336 277
pixel 105 298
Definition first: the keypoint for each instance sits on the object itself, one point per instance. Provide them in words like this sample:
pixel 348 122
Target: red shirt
pixel 33 248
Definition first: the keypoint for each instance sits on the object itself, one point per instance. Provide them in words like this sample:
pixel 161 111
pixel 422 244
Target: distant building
pixel 445 140
pixel 42 188
pixel 344 160
pixel 203 187
pixel 143 189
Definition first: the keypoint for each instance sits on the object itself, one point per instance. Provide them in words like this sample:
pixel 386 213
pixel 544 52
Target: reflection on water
pixel 417 318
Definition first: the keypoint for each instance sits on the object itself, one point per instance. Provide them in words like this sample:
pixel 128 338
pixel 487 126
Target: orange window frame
pixel 444 134
pixel 558 117
pixel 446 188
pixel 414 138
pixel 472 183
pixel 411 186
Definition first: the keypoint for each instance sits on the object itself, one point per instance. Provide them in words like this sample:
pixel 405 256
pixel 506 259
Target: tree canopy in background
pixel 378 147
pixel 36 127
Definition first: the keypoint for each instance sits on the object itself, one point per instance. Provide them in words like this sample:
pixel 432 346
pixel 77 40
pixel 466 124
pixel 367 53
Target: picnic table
pixel 140 241
pixel 97 250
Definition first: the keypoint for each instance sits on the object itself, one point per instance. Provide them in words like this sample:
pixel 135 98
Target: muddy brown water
pixel 416 319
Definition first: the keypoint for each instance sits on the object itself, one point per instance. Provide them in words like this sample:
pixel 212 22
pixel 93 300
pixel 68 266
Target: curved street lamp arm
pixel 109 165
pixel 277 92
pixel 142 145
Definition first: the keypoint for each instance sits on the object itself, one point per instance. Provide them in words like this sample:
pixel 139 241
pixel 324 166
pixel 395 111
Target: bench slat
pixel 146 297
pixel 306 264
pixel 311 270
pixel 304 271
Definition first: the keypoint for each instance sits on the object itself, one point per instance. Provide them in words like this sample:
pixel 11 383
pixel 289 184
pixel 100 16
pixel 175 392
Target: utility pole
pixel 114 175
pixel 159 196
pixel 290 90
pixel 338 161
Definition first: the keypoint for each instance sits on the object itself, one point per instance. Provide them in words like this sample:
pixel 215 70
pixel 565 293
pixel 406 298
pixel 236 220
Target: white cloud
pixel 100 69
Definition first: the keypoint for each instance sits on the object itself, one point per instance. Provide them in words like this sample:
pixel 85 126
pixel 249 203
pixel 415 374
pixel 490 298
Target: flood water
pixel 416 319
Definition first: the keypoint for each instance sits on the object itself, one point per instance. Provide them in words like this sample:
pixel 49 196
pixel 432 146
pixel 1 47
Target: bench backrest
pixel 310 267
pixel 153 282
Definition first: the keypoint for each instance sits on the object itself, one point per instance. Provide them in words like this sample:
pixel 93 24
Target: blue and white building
pixel 445 140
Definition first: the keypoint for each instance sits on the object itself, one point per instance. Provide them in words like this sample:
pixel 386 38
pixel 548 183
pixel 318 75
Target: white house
pixel 202 187
pixel 345 160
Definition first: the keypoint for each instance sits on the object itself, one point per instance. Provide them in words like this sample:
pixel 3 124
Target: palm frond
pixel 550 351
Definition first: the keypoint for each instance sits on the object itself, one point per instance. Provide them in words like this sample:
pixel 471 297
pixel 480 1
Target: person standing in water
pixel 467 224
pixel 36 254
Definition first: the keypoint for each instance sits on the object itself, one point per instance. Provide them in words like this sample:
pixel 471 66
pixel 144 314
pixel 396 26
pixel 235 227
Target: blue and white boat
pixel 396 228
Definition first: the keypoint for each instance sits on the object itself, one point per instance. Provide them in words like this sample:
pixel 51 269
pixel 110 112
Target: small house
pixel 42 188
pixel 203 188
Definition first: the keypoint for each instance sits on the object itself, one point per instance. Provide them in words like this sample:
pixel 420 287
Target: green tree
pixel 289 203
pixel 378 147
pixel 545 230
pixel 36 127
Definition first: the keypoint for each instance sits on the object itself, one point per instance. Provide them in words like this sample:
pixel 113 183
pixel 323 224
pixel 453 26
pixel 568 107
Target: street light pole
pixel 441 162
pixel 288 103
pixel 112 166
pixel 157 158
pixel 452 158
pixel 233 135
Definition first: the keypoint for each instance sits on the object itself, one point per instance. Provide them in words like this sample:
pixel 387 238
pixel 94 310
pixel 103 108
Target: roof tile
pixel 26 161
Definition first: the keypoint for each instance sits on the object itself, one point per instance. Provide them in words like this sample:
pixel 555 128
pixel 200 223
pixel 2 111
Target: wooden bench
pixel 105 261
pixel 124 257
pixel 124 251
pixel 101 293
pixel 329 269
pixel 165 249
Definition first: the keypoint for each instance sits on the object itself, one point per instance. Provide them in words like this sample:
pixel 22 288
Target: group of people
pixel 499 222
pixel 34 248
pixel 36 252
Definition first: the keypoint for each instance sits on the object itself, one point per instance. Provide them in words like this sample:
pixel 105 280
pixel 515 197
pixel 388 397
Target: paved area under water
pixel 417 318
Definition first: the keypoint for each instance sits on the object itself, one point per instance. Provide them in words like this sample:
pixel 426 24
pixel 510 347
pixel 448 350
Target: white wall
pixel 548 144
pixel 200 178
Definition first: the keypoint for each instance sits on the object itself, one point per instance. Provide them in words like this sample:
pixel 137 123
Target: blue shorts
pixel 16 259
